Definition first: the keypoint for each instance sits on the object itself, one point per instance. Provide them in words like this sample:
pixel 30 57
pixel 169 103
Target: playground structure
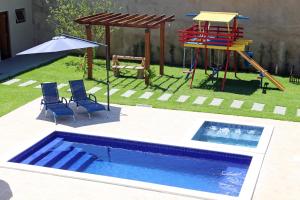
pixel 147 22
pixel 229 38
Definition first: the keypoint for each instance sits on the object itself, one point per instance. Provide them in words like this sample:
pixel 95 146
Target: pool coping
pixel 245 193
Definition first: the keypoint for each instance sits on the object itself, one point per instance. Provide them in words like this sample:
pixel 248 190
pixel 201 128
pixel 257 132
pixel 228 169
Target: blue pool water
pixel 194 169
pixel 239 135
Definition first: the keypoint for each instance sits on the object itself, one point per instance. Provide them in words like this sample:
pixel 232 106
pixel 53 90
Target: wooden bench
pixel 116 67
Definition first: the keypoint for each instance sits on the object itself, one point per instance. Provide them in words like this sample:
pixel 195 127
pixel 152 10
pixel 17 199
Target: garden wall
pixel 274 26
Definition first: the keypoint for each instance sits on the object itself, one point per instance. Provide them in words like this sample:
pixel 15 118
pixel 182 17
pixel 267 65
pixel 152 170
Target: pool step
pixel 56 154
pixel 68 159
pixel 82 163
pixel 43 151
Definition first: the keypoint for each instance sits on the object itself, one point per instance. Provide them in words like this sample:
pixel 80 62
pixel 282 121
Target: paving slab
pixel 94 90
pixel 279 110
pixel 216 102
pixel 12 81
pixel 30 82
pixel 112 91
pixel 146 95
pixel 200 100
pixel 237 104
pixel 39 86
pixel 165 97
pixel 62 85
pixel 128 93
pixel 183 98
pixel 258 107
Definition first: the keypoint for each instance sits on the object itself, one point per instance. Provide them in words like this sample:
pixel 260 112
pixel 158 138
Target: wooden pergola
pixel 145 21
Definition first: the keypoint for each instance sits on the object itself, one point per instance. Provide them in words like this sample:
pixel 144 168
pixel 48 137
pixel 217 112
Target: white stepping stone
pixel 112 91
pixel 279 110
pixel 298 112
pixel 62 85
pixel 237 104
pixel 200 100
pixel 94 90
pixel 129 93
pixel 164 97
pixel 258 107
pixel 10 82
pixel 183 98
pixel 30 82
pixel 146 95
pixel 216 102
pixel 39 86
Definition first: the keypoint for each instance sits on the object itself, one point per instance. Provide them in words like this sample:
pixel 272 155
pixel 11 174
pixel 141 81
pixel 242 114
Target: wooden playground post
pixel 206 60
pixel 226 68
pixel 89 36
pixel 147 54
pixel 162 48
pixel 235 63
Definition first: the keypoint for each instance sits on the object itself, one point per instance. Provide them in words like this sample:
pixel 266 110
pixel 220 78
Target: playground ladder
pixel 262 70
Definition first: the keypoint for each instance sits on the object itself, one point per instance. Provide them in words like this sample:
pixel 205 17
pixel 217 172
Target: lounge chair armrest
pixel 71 99
pixel 95 98
pixel 64 99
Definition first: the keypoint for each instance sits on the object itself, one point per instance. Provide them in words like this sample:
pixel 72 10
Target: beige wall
pixel 274 26
pixel 21 34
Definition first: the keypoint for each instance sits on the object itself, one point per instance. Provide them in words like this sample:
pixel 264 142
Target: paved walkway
pixel 16 65
pixel 280 170
pixel 199 100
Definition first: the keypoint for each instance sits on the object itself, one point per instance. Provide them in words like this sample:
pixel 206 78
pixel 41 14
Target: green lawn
pixel 245 89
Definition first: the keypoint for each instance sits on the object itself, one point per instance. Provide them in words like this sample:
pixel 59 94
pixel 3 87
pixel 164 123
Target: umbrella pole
pixel 107 76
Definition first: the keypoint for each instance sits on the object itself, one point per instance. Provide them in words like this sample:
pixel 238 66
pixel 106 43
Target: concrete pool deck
pixel 279 177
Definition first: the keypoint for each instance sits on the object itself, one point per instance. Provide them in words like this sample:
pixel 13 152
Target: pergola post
pixel 147 54
pixel 162 48
pixel 89 36
pixel 107 39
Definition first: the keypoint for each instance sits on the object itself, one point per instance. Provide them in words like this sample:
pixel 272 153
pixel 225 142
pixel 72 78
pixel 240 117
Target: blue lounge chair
pixel 52 102
pixel 80 97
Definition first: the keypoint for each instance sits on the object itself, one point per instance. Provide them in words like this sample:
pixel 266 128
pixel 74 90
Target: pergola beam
pixel 143 19
pixel 84 19
pixel 130 17
pixel 97 20
pixel 152 20
pixel 110 20
pixel 163 20
pixel 89 20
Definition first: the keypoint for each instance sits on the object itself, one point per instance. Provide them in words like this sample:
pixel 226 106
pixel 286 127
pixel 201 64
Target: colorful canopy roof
pixel 225 17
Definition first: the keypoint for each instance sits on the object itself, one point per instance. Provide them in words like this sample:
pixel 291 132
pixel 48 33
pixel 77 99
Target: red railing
pixel 212 35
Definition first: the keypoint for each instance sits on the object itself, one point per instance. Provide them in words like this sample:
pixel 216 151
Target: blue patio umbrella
pixel 66 43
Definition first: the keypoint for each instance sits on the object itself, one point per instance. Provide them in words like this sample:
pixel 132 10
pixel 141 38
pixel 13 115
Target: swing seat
pixel 215 71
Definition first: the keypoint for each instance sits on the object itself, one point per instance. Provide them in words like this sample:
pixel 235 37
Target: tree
pixel 62 14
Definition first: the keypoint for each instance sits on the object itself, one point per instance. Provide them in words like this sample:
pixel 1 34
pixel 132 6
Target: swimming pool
pixel 193 169
pixel 231 134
